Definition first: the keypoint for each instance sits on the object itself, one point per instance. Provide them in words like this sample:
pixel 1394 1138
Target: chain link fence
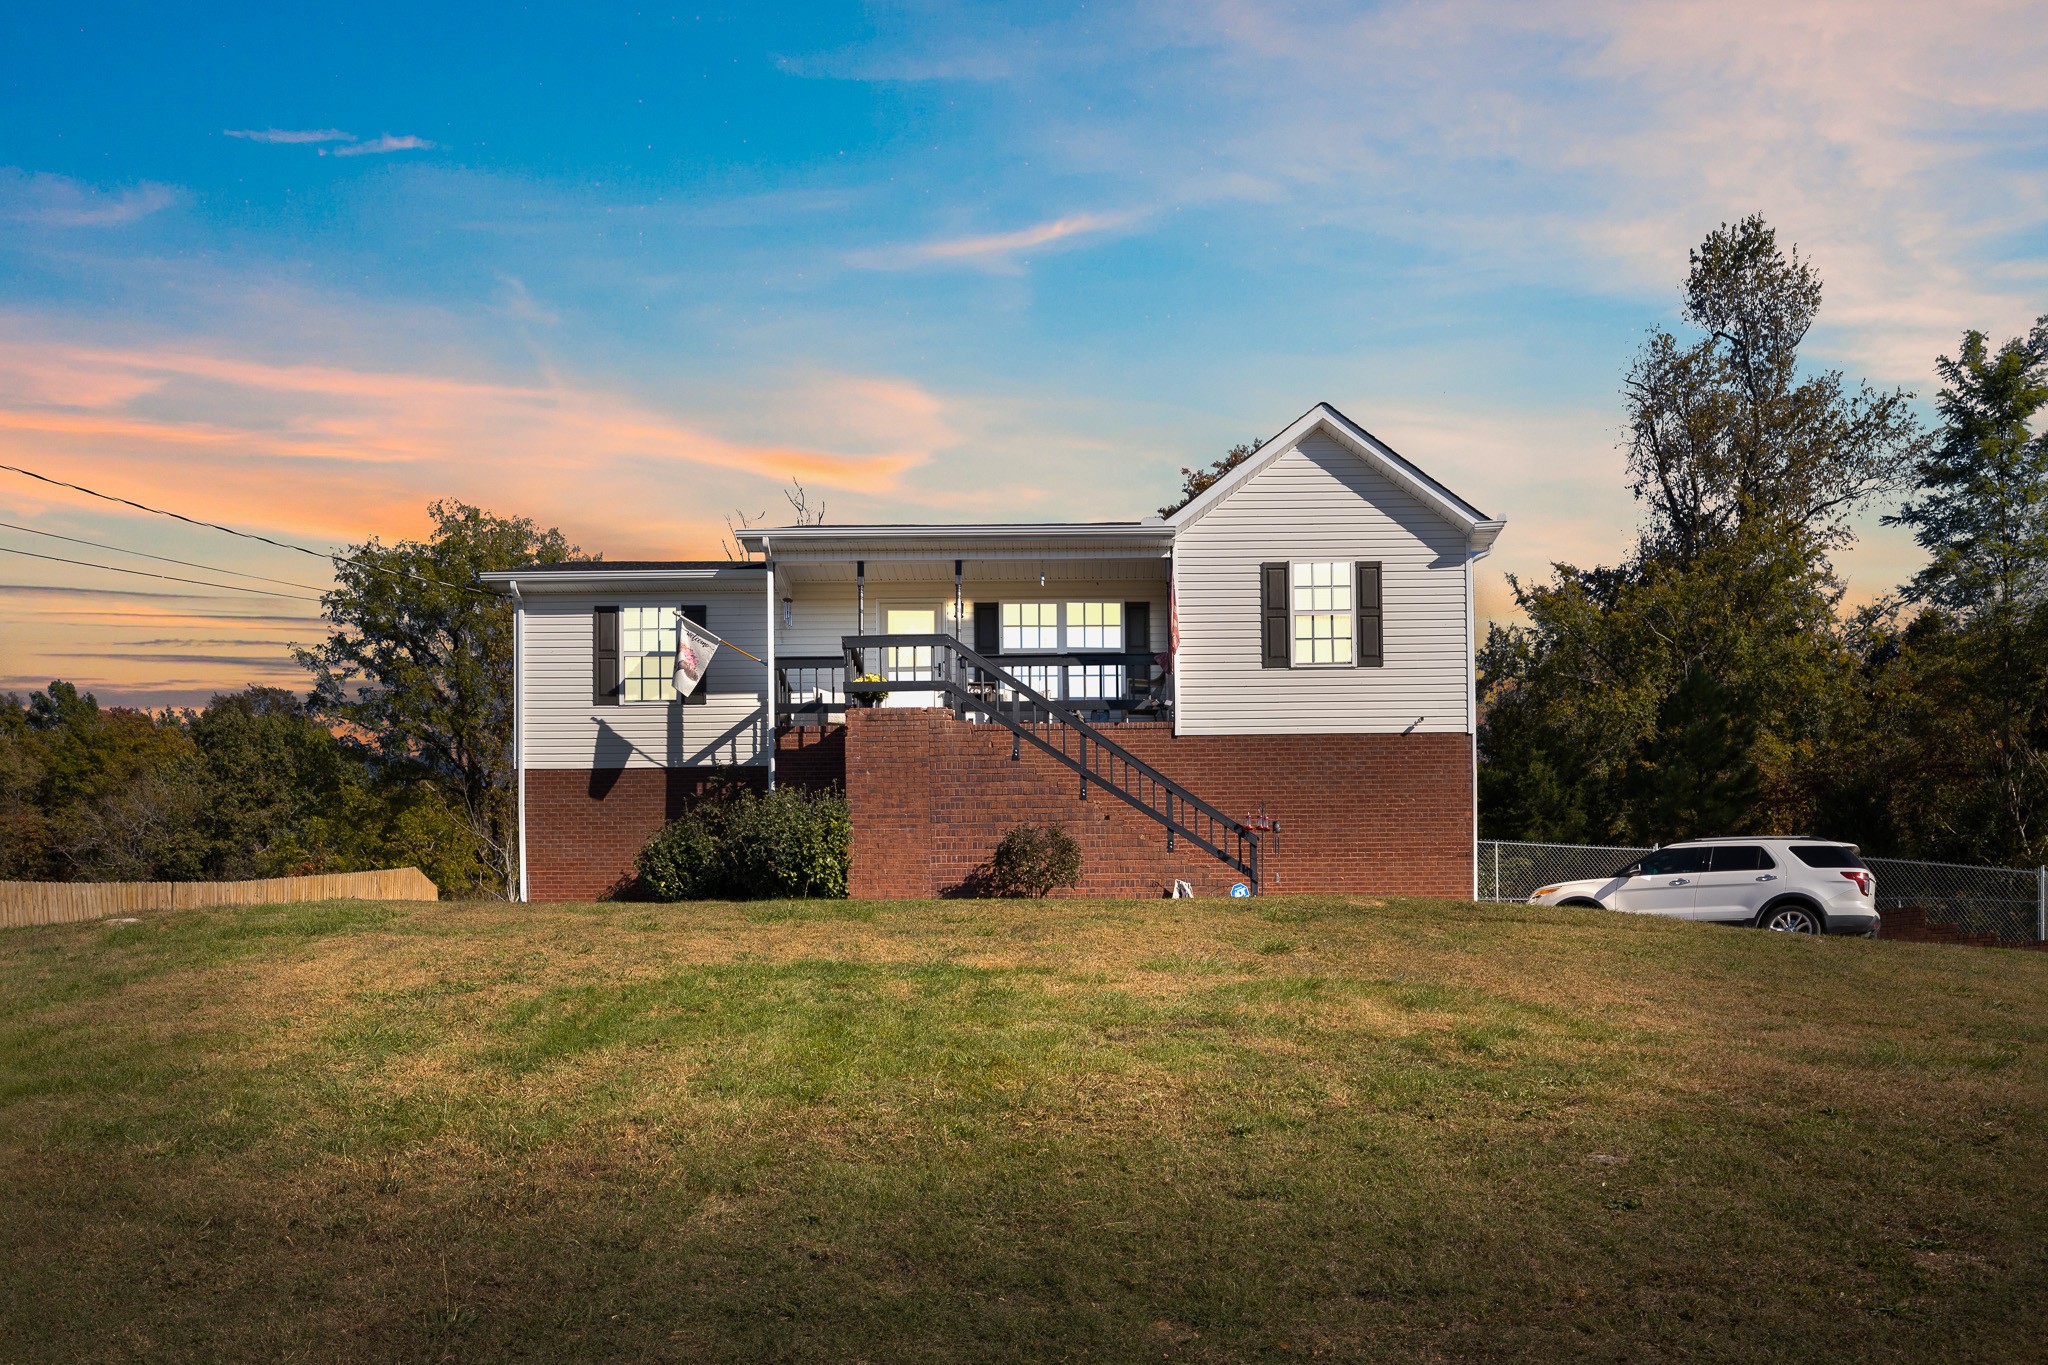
pixel 2009 904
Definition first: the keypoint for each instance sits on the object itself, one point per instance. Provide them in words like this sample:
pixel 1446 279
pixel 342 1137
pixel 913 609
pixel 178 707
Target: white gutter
pixel 1478 547
pixel 518 721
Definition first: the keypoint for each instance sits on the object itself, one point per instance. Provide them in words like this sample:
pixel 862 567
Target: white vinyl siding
pixel 561 726
pixel 1321 502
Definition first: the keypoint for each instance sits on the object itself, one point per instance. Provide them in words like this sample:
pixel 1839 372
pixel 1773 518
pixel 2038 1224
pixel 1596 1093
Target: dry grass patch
pixel 1364 1127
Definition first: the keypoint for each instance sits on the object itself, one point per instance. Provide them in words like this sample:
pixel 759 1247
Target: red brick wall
pixel 584 826
pixel 931 796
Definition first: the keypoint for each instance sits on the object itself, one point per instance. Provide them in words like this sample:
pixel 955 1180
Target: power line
pixel 144 573
pixel 161 559
pixel 245 535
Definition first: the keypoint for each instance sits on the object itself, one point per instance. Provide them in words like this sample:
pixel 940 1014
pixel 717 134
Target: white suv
pixel 1790 883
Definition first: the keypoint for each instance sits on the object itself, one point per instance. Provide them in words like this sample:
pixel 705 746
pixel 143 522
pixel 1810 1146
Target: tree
pixel 1689 687
pixel 1982 515
pixel 419 663
pixel 1982 512
pixel 1195 482
pixel 1726 433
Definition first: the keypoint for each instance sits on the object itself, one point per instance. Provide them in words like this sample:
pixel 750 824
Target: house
pixel 1270 689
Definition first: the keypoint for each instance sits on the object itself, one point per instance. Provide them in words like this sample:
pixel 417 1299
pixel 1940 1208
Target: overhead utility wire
pixel 161 559
pixel 246 535
pixel 144 573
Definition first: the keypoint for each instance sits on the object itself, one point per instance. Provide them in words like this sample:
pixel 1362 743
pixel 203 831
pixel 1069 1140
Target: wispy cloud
pixel 997 249
pixel 60 201
pixel 332 140
pixel 290 134
pixel 386 143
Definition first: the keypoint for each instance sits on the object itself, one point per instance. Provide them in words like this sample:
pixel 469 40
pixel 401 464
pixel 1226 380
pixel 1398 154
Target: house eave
pixel 597 577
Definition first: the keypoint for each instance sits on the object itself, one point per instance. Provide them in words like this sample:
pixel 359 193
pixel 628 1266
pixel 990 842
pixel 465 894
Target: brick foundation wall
pixel 584 826
pixel 931 796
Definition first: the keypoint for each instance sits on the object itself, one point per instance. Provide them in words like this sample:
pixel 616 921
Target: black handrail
pixel 1095 756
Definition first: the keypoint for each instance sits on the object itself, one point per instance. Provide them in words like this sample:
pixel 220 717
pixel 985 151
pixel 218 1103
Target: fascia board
pixel 638 579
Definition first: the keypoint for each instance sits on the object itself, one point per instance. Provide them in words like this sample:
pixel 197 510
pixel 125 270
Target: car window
pixel 1826 855
pixel 1667 862
pixel 1742 858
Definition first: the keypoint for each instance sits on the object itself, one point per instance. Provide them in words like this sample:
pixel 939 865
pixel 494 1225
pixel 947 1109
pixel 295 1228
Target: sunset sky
pixel 304 269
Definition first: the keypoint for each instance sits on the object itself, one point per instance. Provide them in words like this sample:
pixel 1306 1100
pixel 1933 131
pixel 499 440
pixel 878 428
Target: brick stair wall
pixel 931 796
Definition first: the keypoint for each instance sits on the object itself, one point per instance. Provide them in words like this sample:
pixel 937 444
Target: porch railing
pixel 1104 688
pixel 979 688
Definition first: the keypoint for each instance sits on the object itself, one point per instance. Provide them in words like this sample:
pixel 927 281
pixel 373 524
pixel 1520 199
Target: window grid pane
pixel 1322 612
pixel 1095 625
pixel 1031 625
pixel 647 638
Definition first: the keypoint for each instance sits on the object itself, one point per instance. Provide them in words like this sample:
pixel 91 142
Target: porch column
pixel 768 658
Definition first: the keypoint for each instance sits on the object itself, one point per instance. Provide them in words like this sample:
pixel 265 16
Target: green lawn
pixel 1007 1131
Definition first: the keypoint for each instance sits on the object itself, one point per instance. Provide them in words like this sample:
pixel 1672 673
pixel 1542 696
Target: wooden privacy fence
pixel 63 902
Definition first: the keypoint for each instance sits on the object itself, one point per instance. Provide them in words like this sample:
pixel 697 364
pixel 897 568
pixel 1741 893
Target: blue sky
pixel 628 271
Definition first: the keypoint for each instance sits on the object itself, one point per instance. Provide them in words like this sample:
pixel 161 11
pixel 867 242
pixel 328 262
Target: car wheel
pixel 1581 903
pixel 1789 918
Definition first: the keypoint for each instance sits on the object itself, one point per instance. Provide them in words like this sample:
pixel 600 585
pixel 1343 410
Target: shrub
pixel 736 843
pixel 1033 859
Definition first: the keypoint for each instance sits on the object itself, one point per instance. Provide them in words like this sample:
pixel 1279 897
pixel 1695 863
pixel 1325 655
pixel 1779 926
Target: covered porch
pixel 1077 613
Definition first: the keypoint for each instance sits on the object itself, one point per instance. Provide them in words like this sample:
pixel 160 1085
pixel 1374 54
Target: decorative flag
pixel 694 648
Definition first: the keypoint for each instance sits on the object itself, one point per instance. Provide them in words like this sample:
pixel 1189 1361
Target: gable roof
pixel 1478 528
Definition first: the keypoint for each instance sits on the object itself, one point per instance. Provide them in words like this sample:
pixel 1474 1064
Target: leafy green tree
pixel 419 664
pixel 1696 774
pixel 1982 509
pixel 1195 482
pixel 1728 432
pixel 1690 687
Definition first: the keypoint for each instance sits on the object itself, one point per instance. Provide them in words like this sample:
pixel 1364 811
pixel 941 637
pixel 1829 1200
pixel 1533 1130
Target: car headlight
pixel 1543 891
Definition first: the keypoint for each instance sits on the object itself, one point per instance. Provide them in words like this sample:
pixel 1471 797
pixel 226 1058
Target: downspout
pixel 1472 557
pixel 518 722
pixel 958 600
pixel 768 663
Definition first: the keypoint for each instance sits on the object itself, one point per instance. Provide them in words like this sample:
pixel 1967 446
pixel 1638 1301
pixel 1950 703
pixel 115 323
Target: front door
pixel 1664 883
pixel 1742 878
pixel 910 663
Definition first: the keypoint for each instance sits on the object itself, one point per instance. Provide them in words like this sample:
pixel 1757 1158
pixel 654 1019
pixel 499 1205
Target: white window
pixel 1031 625
pixel 647 644
pixel 1095 681
pixel 1322 612
pixel 1095 625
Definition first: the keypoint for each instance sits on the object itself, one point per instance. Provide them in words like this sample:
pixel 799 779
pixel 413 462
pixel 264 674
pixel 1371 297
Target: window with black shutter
pixel 604 656
pixel 988 628
pixel 1372 648
pixel 1273 635
pixel 1137 627
pixel 702 616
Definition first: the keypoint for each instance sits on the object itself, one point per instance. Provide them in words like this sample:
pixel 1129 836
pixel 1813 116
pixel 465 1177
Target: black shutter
pixel 1372 648
pixel 703 693
pixel 1273 633
pixel 604 656
pixel 1137 627
pixel 988 628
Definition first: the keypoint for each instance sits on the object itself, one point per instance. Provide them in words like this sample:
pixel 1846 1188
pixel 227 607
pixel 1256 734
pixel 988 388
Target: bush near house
pixel 1034 859
pixel 737 843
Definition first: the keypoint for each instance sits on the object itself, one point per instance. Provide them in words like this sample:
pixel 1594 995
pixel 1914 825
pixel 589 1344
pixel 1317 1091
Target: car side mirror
pixel 1635 870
